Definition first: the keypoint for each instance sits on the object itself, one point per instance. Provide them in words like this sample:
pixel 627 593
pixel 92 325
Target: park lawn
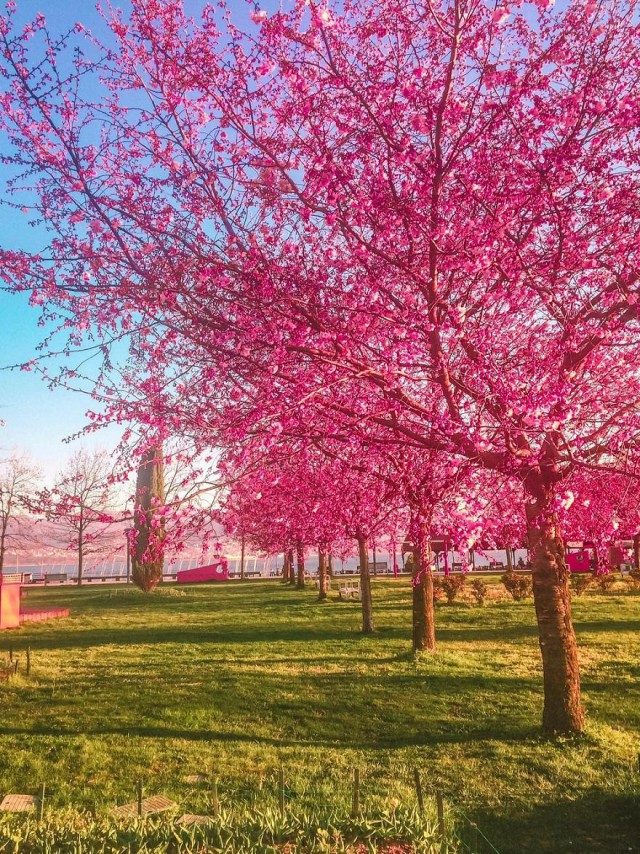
pixel 236 680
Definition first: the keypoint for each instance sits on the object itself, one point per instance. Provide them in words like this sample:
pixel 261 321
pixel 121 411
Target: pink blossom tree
pixel 437 203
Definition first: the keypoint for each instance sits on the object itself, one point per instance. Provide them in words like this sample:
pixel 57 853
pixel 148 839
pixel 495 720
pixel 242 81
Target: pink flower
pixel 419 123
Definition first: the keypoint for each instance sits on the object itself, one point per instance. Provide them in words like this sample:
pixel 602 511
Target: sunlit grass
pixel 236 680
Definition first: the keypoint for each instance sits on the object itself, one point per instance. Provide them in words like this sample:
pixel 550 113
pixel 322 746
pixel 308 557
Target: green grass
pixel 236 680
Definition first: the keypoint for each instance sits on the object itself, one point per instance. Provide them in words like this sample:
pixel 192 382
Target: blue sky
pixel 37 420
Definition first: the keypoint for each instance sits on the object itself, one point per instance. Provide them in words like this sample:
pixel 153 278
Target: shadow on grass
pixel 598 823
pixel 368 712
pixel 608 626
pixel 428 738
pixel 252 632
pixel 514 632
pixel 78 638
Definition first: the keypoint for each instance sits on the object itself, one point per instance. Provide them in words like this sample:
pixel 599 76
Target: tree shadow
pixel 597 823
pixel 368 712
pixel 425 739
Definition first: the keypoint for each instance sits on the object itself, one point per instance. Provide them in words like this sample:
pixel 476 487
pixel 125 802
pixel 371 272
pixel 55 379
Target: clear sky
pixel 37 419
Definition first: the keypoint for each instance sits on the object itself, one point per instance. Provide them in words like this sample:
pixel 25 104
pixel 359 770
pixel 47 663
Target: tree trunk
pixel 285 568
pixel 322 573
pixel 128 546
pixel 292 571
pixel 424 633
pixel 3 547
pixel 365 586
pixel 242 557
pixel 147 558
pixel 636 551
pixel 300 562
pixel 509 559
pixel 563 712
pixel 80 552
pixel 330 565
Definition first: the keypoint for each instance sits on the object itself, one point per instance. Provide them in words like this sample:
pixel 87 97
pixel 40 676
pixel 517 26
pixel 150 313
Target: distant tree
pixel 18 484
pixel 82 501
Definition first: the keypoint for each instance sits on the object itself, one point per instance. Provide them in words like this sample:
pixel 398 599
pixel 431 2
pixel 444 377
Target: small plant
pixel 438 590
pixel 452 585
pixel 479 590
pixel 518 586
pixel 580 581
pixel 170 591
pixel 605 581
pixel 261 830
pixel 634 578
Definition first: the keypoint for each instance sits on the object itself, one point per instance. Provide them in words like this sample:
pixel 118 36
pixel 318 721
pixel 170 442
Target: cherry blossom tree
pixel 437 203
pixel 305 498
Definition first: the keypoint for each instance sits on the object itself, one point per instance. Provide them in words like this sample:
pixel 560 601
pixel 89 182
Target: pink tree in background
pixel 306 498
pixel 603 510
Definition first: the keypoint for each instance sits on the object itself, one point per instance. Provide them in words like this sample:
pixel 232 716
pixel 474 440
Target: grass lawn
pixel 236 680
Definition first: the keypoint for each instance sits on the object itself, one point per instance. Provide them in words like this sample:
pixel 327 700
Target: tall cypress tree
pixel 148 549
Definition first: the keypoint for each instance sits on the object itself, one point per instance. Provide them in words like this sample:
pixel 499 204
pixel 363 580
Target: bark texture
pixel 148 551
pixel 322 573
pixel 81 548
pixel 424 633
pixel 300 562
pixel 365 586
pixel 563 712
pixel 292 570
pixel 509 557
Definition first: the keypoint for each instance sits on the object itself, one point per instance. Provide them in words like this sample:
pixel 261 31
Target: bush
pixel 452 585
pixel 438 590
pixel 579 582
pixel 634 579
pixel 605 581
pixel 518 586
pixel 478 590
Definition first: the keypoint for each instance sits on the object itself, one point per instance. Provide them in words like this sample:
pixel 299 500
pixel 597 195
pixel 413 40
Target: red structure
pixel 579 561
pixel 10 595
pixel 213 572
pixel 11 613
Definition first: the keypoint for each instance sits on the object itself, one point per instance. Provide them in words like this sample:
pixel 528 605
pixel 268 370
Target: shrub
pixel 452 585
pixel 579 582
pixel 634 579
pixel 605 581
pixel 518 586
pixel 438 590
pixel 478 590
